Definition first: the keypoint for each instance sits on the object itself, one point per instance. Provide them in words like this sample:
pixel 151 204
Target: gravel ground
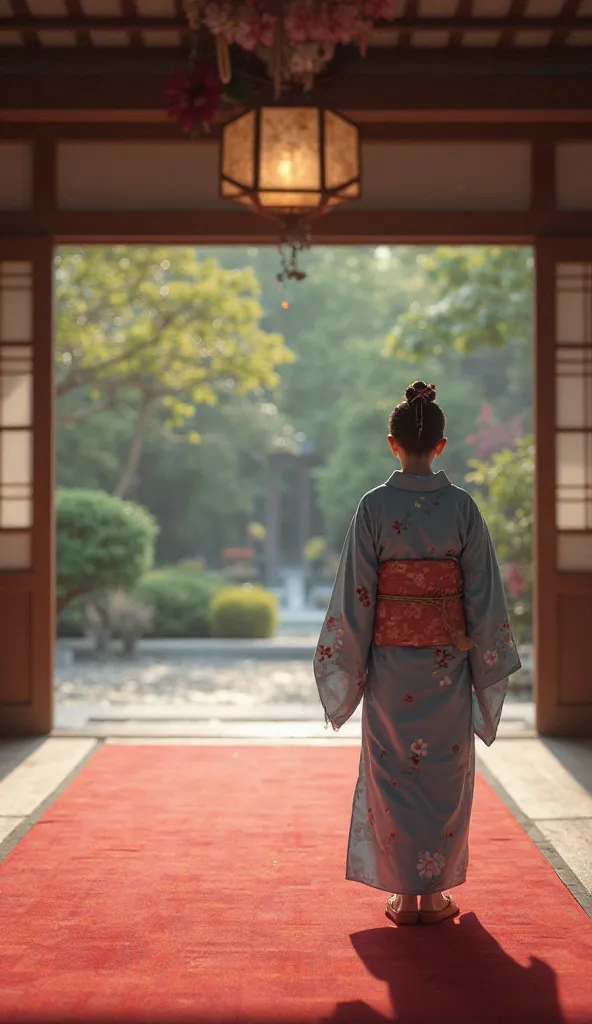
pixel 149 680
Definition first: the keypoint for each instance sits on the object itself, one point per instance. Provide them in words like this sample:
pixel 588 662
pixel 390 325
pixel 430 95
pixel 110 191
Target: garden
pixel 183 375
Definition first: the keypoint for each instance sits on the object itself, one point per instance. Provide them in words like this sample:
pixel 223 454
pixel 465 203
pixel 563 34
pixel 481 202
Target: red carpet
pixel 205 884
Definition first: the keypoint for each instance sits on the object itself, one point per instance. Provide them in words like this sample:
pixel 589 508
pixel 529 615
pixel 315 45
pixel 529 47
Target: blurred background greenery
pixel 248 417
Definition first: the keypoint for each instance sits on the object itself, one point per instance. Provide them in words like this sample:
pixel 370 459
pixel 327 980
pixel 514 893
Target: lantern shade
pixel 286 160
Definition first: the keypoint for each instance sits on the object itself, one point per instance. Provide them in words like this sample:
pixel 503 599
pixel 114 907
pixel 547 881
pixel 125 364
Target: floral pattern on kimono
pixel 341 674
pixel 421 705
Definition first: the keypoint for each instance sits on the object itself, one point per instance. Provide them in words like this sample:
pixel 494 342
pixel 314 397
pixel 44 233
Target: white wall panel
pixel 446 176
pixel 183 175
pixel 178 175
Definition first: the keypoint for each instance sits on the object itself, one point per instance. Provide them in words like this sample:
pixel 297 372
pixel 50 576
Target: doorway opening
pixel 216 431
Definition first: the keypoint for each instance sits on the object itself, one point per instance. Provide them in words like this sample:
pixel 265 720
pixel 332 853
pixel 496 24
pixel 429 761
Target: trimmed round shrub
pixel 244 612
pixel 103 543
pixel 180 598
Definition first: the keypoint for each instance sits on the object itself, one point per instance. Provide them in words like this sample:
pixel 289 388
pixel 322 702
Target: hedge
pixel 244 612
pixel 180 597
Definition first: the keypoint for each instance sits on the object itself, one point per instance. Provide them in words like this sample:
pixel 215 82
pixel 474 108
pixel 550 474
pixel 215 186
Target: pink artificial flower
pixel 381 10
pixel 299 22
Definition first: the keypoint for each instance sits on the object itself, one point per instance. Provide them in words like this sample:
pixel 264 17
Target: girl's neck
pixel 417 467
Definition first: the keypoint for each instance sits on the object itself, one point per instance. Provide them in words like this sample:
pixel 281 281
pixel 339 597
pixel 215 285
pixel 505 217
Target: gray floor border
pixel 12 840
pixel 553 858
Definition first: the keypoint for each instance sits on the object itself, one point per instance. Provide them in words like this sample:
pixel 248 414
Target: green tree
pixel 473 296
pixel 336 325
pixel 474 302
pixel 504 490
pixel 156 329
pixel 103 543
pixel 345 378
pixel 361 459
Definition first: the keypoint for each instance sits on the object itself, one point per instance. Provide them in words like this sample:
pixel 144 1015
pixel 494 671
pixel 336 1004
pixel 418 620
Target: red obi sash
pixel 419 604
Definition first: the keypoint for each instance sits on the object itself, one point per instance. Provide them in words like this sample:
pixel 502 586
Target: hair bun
pixel 419 387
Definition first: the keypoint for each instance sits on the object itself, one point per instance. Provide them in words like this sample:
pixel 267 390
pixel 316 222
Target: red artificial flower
pixel 193 97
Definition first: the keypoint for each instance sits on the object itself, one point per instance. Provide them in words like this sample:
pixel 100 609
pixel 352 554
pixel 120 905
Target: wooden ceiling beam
pixel 20 13
pixel 567 21
pixel 404 33
pixel 569 10
pixel 76 14
pixel 389 96
pixel 517 9
pixel 130 11
pixel 463 12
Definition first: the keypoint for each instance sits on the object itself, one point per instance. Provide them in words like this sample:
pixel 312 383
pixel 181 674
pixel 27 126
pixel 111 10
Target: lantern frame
pixel 329 197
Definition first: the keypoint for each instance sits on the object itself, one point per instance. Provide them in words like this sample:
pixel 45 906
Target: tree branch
pixel 136 446
pixel 80 415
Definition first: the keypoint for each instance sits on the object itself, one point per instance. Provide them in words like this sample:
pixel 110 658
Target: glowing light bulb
pixel 285 170
pixel 285 304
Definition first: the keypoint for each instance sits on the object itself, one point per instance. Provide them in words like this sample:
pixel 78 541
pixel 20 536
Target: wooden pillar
pixel 563 543
pixel 26 487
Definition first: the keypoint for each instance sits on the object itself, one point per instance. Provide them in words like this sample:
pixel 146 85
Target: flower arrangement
pixel 296 42
pixel 194 97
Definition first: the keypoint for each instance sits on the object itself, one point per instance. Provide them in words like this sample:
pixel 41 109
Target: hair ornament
pixel 427 394
pixel 420 394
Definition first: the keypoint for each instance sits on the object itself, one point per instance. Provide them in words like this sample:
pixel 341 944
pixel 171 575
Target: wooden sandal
pixel 400 916
pixel 435 916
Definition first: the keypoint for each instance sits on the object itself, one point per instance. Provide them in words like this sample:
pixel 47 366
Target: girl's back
pixel 417 625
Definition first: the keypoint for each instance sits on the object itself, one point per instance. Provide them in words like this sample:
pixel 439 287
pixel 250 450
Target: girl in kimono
pixel 418 625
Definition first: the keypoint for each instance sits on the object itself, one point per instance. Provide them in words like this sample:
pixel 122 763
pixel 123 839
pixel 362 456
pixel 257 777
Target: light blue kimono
pixel 422 705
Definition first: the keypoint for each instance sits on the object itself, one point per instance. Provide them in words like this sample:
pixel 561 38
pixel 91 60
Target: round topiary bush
pixel 180 598
pixel 244 612
pixel 103 543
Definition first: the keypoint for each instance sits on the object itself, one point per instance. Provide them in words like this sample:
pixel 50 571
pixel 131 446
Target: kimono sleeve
pixel 340 662
pixel 494 657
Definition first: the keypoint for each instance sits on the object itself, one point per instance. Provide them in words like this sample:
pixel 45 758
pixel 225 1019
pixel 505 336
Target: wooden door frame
pixel 33 715
pixel 552 716
pixel 36 718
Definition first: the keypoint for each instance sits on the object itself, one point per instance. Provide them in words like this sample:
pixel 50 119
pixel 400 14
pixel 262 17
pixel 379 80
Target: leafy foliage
pixel 103 543
pixel 157 329
pixel 162 321
pixel 504 491
pixel 345 376
pixel 180 598
pixel 244 612
pixel 474 297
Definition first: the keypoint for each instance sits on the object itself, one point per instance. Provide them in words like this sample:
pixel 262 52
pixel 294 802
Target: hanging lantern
pixel 290 163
